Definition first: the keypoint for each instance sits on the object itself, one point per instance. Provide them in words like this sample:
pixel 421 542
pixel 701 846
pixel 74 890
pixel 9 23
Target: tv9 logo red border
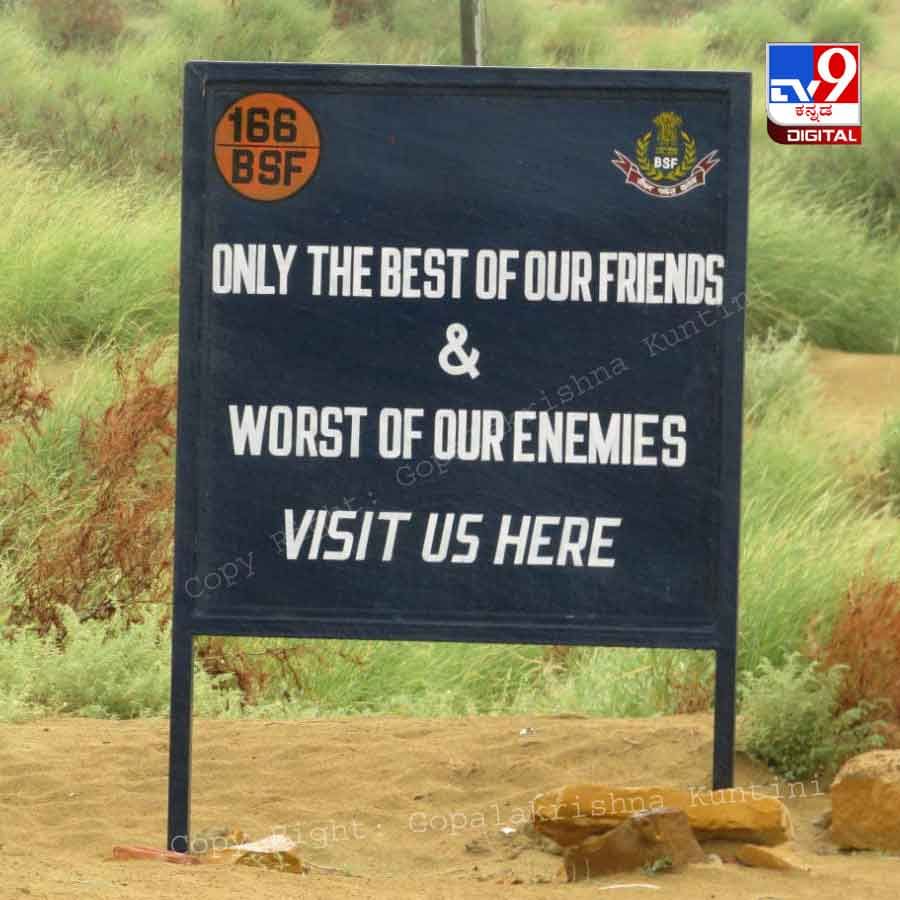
pixel 814 93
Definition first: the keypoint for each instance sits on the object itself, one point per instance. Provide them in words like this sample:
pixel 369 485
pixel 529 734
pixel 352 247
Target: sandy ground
pixel 373 796
pixel 858 390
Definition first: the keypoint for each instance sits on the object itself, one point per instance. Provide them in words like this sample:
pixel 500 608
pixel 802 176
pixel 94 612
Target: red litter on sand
pixel 172 856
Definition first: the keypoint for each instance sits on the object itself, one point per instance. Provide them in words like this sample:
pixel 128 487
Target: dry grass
pixel 22 400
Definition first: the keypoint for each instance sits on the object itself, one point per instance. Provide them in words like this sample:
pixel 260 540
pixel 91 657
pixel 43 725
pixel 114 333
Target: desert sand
pixel 859 390
pixel 406 807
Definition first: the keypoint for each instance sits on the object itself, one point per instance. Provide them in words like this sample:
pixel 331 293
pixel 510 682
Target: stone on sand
pixel 784 858
pixel 644 839
pixel 865 802
pixel 570 814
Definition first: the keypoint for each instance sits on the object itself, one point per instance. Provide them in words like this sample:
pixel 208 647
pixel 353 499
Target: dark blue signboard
pixel 460 360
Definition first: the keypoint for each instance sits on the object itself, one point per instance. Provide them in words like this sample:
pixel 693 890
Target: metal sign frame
pixel 200 78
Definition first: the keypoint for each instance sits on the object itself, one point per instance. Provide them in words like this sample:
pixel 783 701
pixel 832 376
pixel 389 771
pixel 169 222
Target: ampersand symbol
pixel 457 335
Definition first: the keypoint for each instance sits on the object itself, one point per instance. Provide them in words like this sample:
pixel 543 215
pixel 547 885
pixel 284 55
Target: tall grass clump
pixel 51 452
pixel 23 402
pixel 429 679
pixel 394 31
pixel 680 46
pixel 833 21
pixel 800 10
pixel 890 456
pixel 509 25
pixel 36 465
pixel 400 678
pixel 82 261
pixel 615 682
pixel 866 177
pixel 792 720
pixel 282 30
pixel 574 35
pixel 69 23
pixel 741 30
pixel 422 24
pixel 849 300
pixel 777 376
pixel 798 554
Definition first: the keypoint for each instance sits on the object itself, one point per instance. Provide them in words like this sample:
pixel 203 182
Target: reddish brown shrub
pixel 22 402
pixel 693 692
pixel 255 670
pixel 105 543
pixel 68 23
pixel 344 12
pixel 866 639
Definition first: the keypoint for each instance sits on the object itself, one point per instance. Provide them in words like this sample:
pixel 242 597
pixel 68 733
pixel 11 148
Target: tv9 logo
pixel 813 93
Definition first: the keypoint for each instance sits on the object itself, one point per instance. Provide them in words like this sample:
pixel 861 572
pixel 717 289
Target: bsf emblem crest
pixel 665 160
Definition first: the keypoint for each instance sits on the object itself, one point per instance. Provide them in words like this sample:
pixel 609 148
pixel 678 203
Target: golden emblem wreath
pixel 641 152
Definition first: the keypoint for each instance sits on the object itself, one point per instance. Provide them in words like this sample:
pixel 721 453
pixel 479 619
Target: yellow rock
pixel 865 802
pixel 277 851
pixel 572 813
pixel 781 858
pixel 659 836
pixel 280 861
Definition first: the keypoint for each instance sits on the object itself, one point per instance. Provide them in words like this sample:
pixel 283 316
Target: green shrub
pixel 890 456
pixel 103 669
pixel 844 20
pixel 791 720
pixel 777 377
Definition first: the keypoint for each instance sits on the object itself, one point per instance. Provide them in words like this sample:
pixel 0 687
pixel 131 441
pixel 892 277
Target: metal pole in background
pixel 471 19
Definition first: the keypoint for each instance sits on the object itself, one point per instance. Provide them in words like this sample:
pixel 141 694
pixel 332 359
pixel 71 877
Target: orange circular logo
pixel 267 146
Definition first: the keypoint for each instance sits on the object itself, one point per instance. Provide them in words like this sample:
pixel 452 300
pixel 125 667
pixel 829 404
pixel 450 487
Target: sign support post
pixel 180 726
